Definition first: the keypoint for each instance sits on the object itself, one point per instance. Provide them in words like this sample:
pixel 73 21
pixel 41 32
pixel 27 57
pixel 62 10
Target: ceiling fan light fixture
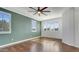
pixel 39 12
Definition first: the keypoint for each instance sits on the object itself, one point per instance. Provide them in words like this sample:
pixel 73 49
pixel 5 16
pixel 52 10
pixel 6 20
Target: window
pixel 5 22
pixel 34 27
pixel 54 26
pixel 51 25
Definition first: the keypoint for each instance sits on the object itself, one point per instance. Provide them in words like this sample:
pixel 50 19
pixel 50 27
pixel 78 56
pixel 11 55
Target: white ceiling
pixel 55 12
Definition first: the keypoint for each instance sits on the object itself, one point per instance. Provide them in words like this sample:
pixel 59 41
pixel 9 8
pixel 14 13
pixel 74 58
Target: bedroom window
pixel 50 26
pixel 34 26
pixel 54 26
pixel 5 22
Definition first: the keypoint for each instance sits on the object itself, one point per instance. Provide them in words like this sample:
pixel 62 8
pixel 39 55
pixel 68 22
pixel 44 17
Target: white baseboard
pixel 10 44
pixel 51 37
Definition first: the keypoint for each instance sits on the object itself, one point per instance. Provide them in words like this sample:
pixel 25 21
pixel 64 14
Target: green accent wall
pixel 20 29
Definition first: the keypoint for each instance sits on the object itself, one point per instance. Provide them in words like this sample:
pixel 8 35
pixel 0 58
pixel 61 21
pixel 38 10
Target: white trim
pixel 10 44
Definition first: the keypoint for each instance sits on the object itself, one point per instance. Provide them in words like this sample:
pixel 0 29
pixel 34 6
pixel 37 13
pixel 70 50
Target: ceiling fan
pixel 39 11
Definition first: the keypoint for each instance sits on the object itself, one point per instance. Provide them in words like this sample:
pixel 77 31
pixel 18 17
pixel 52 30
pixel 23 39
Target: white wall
pixel 71 26
pixel 76 15
pixel 68 27
pixel 52 34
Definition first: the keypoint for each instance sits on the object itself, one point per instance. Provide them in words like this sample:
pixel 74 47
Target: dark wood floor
pixel 41 45
pixel 68 48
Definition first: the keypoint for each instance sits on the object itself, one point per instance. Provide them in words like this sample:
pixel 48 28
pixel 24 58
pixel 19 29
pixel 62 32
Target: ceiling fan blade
pixel 35 13
pixel 32 8
pixel 43 13
pixel 46 11
pixel 43 8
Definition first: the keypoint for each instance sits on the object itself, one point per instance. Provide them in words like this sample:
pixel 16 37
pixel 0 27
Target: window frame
pixel 6 32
